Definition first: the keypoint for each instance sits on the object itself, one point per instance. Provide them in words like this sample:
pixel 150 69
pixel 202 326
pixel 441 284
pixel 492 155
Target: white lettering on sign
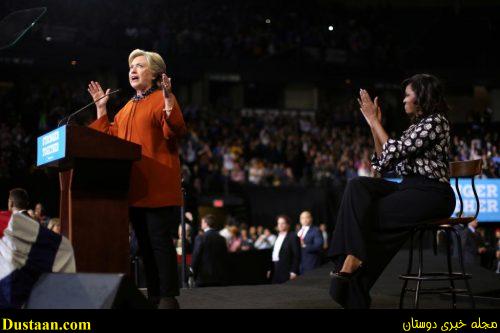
pixel 485 206
pixel 482 191
pixel 491 191
pixel 53 148
pixel 49 138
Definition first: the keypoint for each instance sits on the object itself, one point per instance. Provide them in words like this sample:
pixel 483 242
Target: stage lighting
pixel 330 28
pixel 268 21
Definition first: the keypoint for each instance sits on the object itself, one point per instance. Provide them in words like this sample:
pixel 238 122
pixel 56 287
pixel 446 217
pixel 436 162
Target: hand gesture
pixel 370 109
pixel 97 92
pixel 166 85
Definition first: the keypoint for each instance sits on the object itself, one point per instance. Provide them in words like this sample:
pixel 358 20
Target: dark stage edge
pixel 310 291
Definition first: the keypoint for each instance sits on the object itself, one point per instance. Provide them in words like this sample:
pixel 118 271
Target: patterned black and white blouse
pixel 423 149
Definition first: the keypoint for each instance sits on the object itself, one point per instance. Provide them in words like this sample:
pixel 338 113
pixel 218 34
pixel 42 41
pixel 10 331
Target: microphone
pixel 85 107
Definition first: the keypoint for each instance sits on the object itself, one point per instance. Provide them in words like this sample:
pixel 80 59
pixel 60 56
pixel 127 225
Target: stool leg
pixel 450 270
pixel 136 270
pixel 434 241
pixel 462 266
pixel 420 268
pixel 408 271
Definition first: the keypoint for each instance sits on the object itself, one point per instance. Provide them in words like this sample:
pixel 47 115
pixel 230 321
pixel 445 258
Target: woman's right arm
pixel 98 94
pixel 102 123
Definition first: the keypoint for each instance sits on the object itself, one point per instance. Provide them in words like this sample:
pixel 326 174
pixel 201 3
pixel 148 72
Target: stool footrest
pixel 443 290
pixel 435 276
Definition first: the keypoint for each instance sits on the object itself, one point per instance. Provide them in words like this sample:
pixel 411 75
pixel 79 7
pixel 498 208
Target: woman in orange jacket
pixel 152 119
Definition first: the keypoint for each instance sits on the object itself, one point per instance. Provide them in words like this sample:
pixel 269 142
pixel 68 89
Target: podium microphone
pixel 85 107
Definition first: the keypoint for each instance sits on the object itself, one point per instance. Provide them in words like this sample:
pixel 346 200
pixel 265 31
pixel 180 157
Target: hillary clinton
pixel 152 118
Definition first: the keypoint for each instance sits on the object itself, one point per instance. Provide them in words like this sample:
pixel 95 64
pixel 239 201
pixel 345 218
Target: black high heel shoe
pixel 343 276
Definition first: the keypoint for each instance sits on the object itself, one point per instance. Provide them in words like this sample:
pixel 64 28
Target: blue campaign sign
pixel 51 146
pixel 488 190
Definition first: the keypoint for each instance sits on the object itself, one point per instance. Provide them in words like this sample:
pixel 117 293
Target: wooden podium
pixel 94 181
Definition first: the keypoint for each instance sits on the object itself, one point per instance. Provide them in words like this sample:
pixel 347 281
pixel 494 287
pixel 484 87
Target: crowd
pixel 242 237
pixel 319 32
pixel 277 151
pixel 221 29
pixel 264 151
pixel 273 151
pixel 305 247
pixel 295 249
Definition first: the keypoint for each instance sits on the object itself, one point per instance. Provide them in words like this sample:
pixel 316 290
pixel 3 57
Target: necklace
pixel 146 93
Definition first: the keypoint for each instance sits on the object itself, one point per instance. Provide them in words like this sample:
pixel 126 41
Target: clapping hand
pixel 370 109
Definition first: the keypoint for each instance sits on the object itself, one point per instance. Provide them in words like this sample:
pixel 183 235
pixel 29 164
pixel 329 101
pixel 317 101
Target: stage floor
pixel 310 291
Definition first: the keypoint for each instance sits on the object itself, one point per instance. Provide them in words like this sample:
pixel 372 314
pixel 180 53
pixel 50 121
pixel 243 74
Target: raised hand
pixel 166 85
pixel 370 109
pixel 97 92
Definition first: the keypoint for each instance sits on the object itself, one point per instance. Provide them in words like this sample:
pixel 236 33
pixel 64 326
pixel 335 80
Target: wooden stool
pixel 465 169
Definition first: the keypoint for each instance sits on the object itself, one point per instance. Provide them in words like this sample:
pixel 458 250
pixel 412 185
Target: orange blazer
pixel 155 180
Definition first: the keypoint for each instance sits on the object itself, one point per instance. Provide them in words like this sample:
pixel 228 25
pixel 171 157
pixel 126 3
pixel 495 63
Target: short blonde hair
pixel 53 222
pixel 154 60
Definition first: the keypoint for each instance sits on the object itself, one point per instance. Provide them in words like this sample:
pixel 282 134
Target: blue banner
pixel 51 146
pixel 488 190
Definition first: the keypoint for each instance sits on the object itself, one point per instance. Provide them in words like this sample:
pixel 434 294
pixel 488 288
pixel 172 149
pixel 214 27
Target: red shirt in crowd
pixel 4 220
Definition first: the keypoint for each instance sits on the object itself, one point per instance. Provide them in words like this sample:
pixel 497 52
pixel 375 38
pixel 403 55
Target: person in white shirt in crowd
pixel 178 242
pixel 286 253
pixel 324 232
pixel 266 240
pixel 311 242
pixel 226 232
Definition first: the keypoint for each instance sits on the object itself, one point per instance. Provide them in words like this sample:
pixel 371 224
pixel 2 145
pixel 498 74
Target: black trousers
pixel 155 229
pixel 280 272
pixel 375 219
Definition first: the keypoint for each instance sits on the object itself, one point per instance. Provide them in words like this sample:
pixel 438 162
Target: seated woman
pixel 376 216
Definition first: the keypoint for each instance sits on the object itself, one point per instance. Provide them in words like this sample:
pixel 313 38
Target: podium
pixel 94 176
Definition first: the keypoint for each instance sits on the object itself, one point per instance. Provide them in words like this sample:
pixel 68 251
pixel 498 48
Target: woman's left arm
pixel 171 119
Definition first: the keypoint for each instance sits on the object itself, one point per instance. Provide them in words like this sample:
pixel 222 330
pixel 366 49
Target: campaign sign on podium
pixel 94 178
pixel 51 146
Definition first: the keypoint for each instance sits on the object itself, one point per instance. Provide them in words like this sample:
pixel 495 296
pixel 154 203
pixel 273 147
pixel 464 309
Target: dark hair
pixel 284 217
pixel 210 221
pixel 429 93
pixel 19 198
